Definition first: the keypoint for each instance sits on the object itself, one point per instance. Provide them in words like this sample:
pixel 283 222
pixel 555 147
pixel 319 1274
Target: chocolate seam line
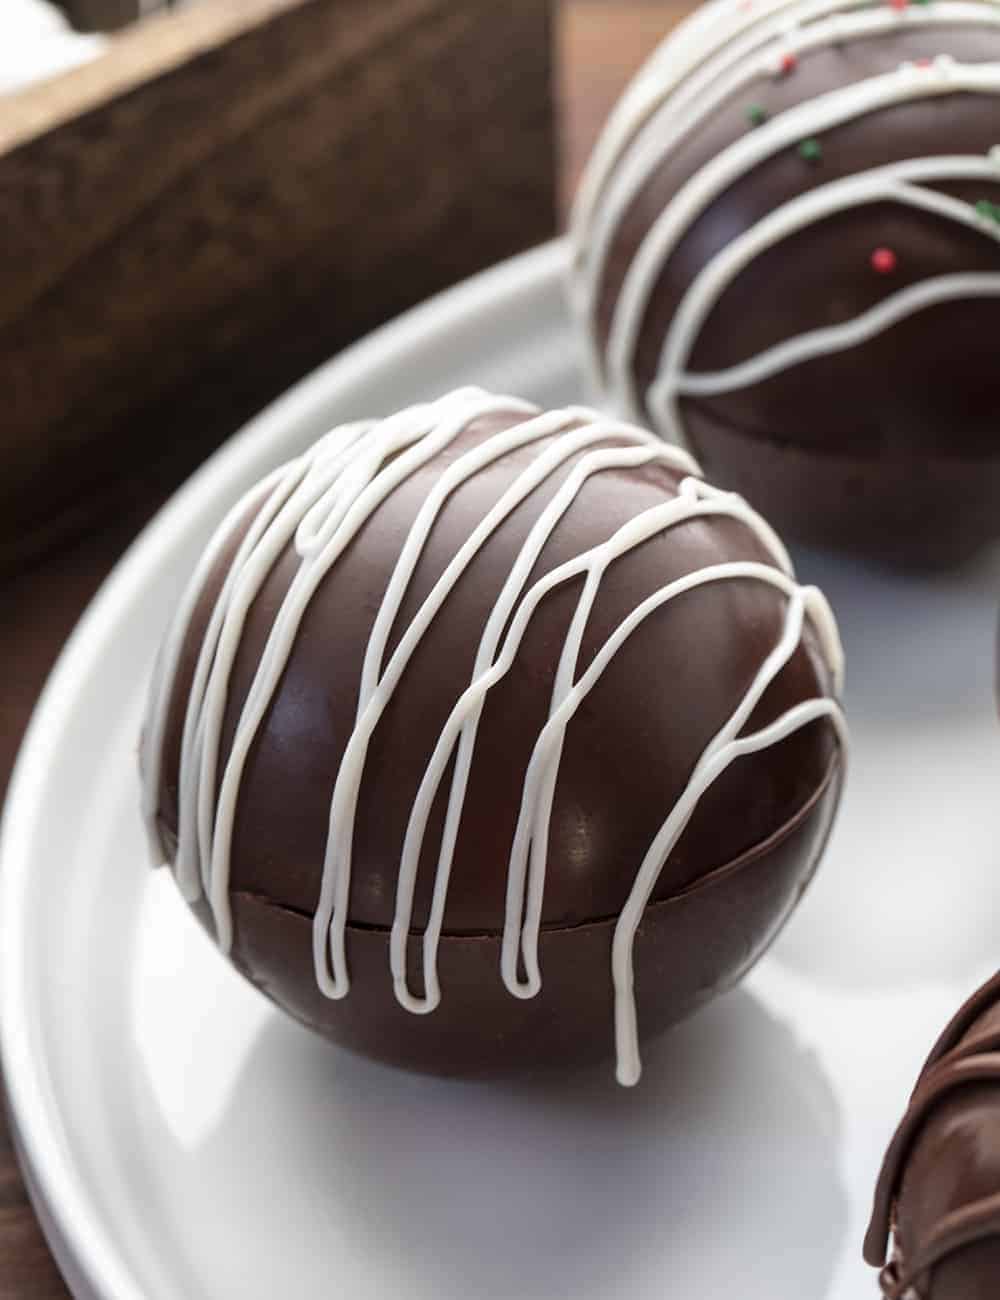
pixel 835 772
pixel 934 1088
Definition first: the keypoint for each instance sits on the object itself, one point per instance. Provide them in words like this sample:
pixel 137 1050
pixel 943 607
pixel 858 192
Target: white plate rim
pixel 85 1251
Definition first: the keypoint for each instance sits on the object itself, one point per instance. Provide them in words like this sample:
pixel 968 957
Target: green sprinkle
pixel 811 150
pixel 921 2
pixel 756 115
pixel 988 211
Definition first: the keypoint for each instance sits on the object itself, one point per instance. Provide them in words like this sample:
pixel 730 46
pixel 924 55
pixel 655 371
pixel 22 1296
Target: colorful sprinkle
pixel 789 62
pixel 884 261
pixel 756 115
pixel 988 210
pixel 900 6
pixel 811 150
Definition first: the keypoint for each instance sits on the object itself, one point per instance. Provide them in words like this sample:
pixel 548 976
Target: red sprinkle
pixel 899 5
pixel 789 62
pixel 884 261
pixel 924 63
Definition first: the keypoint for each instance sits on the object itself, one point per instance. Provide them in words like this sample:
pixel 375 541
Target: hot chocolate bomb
pixel 487 739
pixel 939 1192
pixel 787 258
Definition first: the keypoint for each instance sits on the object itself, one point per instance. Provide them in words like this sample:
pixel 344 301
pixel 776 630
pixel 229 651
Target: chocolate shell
pixel 487 739
pixel 787 259
pixel 938 1197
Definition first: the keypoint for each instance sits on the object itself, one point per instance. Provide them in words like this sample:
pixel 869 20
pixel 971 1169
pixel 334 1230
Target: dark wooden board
pixel 285 176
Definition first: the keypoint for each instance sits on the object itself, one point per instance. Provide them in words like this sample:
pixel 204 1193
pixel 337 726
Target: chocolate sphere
pixel 786 257
pixel 487 739
pixel 939 1191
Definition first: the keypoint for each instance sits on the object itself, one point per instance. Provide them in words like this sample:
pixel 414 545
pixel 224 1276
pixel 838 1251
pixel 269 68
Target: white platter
pixel 184 1142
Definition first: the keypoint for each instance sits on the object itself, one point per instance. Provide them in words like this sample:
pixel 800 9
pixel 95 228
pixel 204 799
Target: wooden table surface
pixel 601 43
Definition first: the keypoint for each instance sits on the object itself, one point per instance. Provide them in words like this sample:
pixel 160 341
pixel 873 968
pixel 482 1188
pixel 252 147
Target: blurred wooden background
pixel 232 193
pixel 599 44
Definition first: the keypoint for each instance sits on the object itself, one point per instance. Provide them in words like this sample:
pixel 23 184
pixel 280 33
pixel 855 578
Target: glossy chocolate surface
pixel 736 874
pixel 828 447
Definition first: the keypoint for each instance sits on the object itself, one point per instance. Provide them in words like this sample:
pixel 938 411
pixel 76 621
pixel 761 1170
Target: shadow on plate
pixel 919 646
pixel 329 1173
pixel 909 890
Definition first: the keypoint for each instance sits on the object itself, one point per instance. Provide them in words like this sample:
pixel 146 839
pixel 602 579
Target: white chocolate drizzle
pixel 727 47
pixel 837 338
pixel 316 505
pixel 691 102
pixel 895 183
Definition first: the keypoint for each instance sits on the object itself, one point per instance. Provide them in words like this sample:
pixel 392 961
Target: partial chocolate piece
pixel 487 739
pixel 787 259
pixel 938 1196
pixel 107 15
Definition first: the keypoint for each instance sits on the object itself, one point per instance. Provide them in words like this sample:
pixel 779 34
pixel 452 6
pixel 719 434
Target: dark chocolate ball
pixel 939 1192
pixel 787 258
pixel 474 718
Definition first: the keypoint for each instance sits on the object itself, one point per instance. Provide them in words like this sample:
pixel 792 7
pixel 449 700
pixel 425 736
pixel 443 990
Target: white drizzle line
pixel 813 118
pixel 721 753
pixel 894 183
pixel 368 480
pixel 463 724
pixel 695 55
pixel 838 338
pixel 669 99
pixel 331 916
pixel 318 503
pixel 711 27
pixel 169 657
pixel 708 89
